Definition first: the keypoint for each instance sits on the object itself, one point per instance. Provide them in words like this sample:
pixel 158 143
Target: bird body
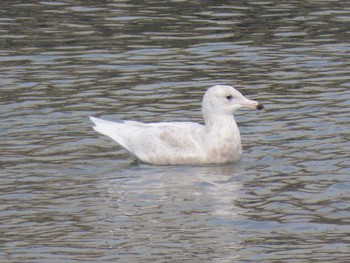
pixel 170 143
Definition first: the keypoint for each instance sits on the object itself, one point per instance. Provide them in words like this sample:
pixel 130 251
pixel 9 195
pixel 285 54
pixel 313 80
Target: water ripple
pixel 68 194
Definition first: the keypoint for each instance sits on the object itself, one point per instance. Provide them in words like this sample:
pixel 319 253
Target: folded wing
pixel 158 143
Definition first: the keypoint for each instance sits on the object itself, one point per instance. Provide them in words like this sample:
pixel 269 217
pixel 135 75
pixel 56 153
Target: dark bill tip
pixel 260 106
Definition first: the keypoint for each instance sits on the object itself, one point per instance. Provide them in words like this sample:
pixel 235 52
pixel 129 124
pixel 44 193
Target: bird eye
pixel 229 97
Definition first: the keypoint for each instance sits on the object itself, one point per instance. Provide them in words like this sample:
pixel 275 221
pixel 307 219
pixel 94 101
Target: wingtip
pixel 93 119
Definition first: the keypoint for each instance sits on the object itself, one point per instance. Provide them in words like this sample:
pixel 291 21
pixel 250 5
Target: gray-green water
pixel 68 194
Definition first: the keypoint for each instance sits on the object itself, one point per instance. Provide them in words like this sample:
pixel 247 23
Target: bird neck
pixel 223 122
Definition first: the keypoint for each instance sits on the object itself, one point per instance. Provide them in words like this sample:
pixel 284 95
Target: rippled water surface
pixel 68 194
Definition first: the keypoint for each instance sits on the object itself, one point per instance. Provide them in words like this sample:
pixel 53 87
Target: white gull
pixel 169 143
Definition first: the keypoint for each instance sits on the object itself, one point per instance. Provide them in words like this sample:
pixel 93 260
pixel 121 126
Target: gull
pixel 218 141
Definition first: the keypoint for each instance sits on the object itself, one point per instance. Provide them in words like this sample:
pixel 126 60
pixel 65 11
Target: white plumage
pixel 168 143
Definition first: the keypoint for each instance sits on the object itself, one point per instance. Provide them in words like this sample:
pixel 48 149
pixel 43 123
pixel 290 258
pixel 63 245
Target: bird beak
pixel 251 104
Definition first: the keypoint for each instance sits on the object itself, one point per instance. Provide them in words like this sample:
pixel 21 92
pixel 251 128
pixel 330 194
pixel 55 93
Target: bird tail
pixel 110 129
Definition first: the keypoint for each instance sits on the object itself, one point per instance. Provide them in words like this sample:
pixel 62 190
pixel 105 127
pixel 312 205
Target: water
pixel 68 194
